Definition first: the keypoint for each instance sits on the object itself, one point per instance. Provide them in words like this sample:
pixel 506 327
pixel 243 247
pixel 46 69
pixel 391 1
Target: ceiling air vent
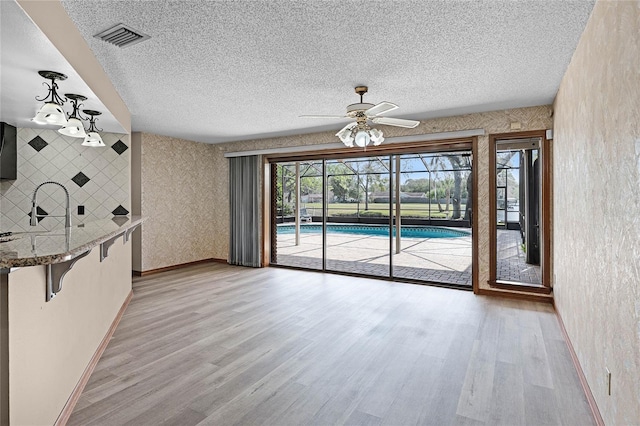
pixel 122 36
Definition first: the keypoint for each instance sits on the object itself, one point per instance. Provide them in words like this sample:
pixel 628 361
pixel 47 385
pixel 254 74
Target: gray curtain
pixel 244 211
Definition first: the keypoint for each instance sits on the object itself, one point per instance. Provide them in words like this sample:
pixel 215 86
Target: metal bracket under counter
pixel 56 273
pixel 128 232
pixel 104 247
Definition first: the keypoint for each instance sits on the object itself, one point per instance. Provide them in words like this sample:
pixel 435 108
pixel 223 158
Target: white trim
pixel 399 139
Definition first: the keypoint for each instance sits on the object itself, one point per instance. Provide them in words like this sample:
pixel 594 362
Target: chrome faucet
pixel 34 206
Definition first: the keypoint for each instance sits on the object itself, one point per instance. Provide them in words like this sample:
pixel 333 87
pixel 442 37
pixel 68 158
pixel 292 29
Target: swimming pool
pixel 382 230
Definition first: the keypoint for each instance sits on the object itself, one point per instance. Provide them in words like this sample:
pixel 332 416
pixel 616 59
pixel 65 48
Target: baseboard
pixel 583 379
pixel 172 267
pixel 84 379
pixel 513 295
pixel 514 286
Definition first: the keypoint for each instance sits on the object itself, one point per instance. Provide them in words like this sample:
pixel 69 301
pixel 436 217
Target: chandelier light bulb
pixel 362 138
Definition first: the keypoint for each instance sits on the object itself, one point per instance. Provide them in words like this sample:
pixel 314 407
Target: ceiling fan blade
pixel 323 116
pixel 380 108
pixel 399 122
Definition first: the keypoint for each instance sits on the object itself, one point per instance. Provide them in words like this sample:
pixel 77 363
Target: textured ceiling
pixel 216 71
pixel 24 50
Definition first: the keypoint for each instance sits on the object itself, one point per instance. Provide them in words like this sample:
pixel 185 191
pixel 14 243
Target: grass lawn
pixel 407 209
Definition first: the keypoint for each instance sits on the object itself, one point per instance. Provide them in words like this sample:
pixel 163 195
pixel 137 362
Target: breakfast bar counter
pixel 50 247
pixel 62 293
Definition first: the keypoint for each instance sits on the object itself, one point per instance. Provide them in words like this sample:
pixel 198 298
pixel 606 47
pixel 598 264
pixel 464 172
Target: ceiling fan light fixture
pixel 359 131
pixel 362 138
pixel 376 136
pixel 347 141
pixel 346 134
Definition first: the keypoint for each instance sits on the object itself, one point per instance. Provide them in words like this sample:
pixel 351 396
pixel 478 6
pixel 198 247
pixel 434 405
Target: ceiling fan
pixel 359 131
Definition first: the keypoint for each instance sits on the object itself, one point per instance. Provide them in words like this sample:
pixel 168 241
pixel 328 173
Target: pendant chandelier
pixel 74 126
pixel 93 137
pixel 52 113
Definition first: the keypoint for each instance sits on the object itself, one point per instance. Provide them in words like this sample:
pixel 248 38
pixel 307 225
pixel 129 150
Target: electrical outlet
pixel 80 210
pixel 608 382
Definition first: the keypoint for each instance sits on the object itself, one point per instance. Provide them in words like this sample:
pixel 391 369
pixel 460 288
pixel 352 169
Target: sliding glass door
pixel 358 207
pixel 402 216
pixel 435 216
pixel 296 214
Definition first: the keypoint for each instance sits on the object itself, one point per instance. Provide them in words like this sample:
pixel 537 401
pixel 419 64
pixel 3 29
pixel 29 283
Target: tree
pixel 341 180
pixel 284 190
pixel 457 165
pixel 310 185
pixel 416 185
pixel 371 176
pixel 344 187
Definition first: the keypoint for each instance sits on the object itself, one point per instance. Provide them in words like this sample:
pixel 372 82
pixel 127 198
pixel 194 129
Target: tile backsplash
pixel 96 178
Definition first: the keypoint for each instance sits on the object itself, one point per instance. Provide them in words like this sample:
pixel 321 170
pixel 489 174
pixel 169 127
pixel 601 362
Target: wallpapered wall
pixel 97 178
pixel 597 206
pixel 179 187
pixel 180 177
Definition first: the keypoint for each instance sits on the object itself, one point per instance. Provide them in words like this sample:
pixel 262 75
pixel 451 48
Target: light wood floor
pixel 221 345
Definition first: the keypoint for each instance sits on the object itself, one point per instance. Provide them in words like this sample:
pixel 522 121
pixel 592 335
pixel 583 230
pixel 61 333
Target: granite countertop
pixel 48 247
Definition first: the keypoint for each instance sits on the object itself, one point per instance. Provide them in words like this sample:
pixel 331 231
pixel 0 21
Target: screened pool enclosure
pixel 404 216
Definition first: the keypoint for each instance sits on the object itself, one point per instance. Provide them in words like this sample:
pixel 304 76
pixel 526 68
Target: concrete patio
pixel 511 260
pixel 439 260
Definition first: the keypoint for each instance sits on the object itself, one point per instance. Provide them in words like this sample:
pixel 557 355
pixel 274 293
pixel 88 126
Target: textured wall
pixel 597 193
pixel 97 178
pixel 533 118
pixel 180 186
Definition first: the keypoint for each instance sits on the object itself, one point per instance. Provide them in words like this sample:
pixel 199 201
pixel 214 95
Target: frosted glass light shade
pixel 50 113
pixel 346 134
pixel 362 138
pixel 376 136
pixel 93 139
pixel 73 128
pixel 347 140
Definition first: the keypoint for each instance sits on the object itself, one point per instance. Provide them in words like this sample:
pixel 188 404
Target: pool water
pixel 382 230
